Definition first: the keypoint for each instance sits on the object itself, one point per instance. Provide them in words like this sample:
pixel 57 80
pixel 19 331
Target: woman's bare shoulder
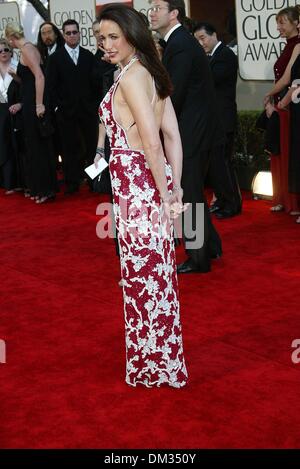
pixel 297 48
pixel 136 74
pixel 28 46
pixel 30 50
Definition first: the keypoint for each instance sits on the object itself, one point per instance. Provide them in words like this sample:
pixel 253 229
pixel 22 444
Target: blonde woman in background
pixel 40 160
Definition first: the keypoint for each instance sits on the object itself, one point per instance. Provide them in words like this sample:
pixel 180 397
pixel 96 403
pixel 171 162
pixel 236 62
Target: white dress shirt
pixel 171 31
pixel 4 84
pixel 52 49
pixel 73 53
pixel 214 49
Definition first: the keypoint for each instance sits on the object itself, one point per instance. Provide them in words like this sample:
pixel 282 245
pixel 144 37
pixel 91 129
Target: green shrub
pixel 249 143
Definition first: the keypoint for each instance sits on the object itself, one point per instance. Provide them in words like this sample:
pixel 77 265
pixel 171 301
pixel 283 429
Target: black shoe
pixel 188 267
pixel 214 208
pixel 226 213
pixel 216 255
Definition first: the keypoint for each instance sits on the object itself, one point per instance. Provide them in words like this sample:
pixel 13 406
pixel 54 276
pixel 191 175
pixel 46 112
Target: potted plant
pixel 249 157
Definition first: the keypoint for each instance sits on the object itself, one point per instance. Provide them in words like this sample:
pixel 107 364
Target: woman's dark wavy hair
pixel 41 46
pixel 139 36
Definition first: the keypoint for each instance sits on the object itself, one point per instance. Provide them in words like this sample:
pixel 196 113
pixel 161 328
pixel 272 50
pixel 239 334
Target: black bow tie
pixel 162 43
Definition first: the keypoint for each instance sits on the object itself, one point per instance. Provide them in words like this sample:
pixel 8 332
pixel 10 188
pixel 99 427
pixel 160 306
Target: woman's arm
pixel 31 57
pixel 172 144
pixel 100 145
pixel 134 90
pixel 292 93
pixel 286 77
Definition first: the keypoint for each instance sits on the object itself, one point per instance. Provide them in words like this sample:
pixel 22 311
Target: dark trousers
pixel 79 135
pixel 8 170
pixel 222 177
pixel 193 176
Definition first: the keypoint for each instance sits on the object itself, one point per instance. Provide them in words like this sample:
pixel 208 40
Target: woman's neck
pixel 292 35
pixel 21 42
pixel 127 61
pixel 4 66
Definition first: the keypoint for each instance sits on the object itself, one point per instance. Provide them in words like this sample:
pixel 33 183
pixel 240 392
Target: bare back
pixel 124 115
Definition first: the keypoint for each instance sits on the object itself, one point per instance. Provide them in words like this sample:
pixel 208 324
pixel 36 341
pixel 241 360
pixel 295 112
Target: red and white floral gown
pixel 152 323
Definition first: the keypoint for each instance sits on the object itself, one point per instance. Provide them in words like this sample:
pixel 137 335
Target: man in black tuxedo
pixel 71 78
pixel 221 173
pixel 194 103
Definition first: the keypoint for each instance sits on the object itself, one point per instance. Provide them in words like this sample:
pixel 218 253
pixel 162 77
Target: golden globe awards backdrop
pixel 140 5
pixel 259 43
pixel 84 12
pixel 144 5
pixel 9 12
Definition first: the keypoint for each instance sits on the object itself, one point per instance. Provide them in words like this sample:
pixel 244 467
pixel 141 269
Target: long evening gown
pixel 40 160
pixel 280 163
pixel 154 351
pixel 294 164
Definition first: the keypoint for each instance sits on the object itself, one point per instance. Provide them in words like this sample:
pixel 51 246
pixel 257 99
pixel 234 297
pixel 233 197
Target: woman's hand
pixel 97 159
pixel 173 209
pixel 282 105
pixel 177 206
pixel 100 152
pixel 15 108
pixel 269 109
pixel 267 99
pixel 40 110
pixel 173 205
pixel 177 192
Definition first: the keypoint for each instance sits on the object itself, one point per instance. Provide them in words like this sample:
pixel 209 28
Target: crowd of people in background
pixel 49 102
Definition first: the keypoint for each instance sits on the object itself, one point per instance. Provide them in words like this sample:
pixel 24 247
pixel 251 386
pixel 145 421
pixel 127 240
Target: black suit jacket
pixel 194 97
pixel 9 122
pixel 224 67
pixel 72 88
pixel 43 50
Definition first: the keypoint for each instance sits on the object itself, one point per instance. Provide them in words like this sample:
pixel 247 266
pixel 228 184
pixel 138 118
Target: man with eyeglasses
pixel 71 77
pixel 194 102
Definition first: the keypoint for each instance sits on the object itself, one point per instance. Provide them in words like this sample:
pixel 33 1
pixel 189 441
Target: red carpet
pixel 62 319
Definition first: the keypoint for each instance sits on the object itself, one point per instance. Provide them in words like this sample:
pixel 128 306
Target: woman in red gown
pixel 292 99
pixel 146 192
pixel 287 23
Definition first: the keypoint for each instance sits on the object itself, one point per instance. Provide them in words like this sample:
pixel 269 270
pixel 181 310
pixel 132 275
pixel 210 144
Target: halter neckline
pixel 131 61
